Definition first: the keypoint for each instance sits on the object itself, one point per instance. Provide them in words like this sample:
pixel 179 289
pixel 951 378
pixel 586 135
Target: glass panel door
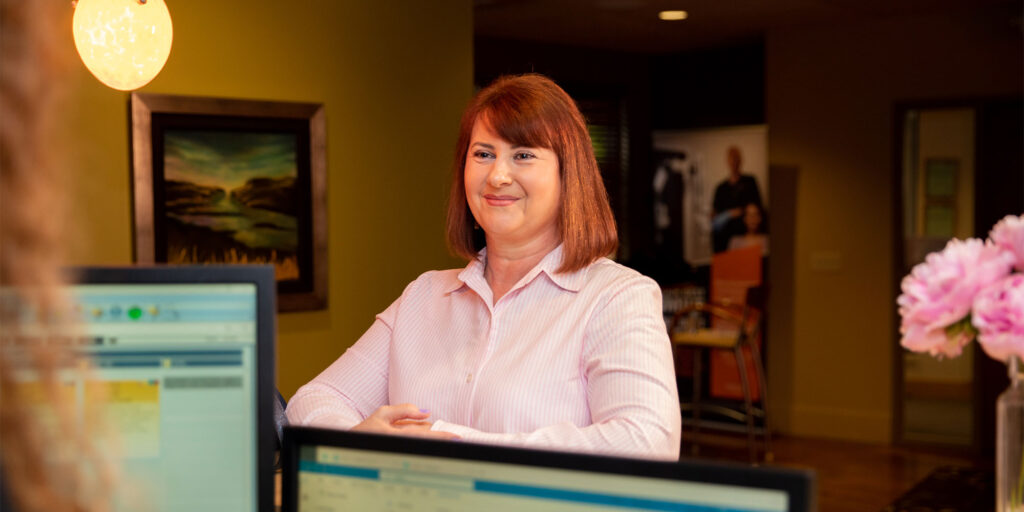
pixel 937 160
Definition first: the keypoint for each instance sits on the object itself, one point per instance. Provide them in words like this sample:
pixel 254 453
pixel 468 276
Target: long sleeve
pixel 351 388
pixel 629 379
pixel 567 361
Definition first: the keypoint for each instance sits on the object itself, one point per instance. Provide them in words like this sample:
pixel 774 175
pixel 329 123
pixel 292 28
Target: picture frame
pixel 218 180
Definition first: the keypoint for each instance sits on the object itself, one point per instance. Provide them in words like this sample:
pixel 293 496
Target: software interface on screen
pixel 177 366
pixel 344 479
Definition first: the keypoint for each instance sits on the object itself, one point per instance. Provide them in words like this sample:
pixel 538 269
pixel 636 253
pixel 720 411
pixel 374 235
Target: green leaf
pixel 962 326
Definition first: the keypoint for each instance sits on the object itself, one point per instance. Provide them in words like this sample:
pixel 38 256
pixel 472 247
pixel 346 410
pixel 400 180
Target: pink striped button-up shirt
pixel 573 361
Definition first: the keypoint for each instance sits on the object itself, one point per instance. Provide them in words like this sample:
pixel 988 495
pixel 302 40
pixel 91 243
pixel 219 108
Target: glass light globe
pixel 124 43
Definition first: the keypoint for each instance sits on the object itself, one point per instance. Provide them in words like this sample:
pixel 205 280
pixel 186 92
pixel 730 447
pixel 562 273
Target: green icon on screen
pixel 135 312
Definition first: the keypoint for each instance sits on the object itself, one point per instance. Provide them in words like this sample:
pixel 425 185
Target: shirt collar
pixel 570 281
pixel 473 270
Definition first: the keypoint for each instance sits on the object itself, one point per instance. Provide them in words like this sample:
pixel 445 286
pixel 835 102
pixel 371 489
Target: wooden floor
pixel 851 476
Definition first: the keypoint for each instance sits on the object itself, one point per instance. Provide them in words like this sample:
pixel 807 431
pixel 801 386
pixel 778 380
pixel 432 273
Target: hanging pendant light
pixel 124 43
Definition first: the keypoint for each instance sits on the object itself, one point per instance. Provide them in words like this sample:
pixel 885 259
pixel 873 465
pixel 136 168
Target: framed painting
pixel 233 181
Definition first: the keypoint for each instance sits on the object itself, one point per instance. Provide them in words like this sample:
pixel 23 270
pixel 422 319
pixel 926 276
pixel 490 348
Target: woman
pixel 540 341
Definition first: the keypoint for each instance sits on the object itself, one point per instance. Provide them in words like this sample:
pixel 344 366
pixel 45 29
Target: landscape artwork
pixel 231 197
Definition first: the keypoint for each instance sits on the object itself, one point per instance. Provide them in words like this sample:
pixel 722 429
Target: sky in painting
pixel 227 159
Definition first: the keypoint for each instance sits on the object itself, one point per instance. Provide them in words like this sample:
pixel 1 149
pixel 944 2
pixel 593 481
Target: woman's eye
pixel 524 156
pixel 482 154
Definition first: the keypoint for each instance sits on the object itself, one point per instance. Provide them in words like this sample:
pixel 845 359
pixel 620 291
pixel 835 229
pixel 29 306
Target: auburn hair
pixel 531 110
pixel 38 418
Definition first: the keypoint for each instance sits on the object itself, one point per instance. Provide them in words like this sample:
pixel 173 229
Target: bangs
pixel 518 123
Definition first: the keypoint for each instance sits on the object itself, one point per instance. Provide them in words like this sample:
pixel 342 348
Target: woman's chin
pixel 501 228
pixel 500 235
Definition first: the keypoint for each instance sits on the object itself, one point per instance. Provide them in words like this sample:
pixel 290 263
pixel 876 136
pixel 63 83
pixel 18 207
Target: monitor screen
pixel 179 365
pixel 416 475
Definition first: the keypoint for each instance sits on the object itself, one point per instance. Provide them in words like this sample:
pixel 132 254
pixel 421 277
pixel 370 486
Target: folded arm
pixel 350 389
pixel 630 382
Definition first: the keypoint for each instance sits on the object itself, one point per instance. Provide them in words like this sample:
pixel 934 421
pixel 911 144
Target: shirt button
pixel 469 378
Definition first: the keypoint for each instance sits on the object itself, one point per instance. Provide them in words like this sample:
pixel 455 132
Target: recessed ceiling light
pixel 672 15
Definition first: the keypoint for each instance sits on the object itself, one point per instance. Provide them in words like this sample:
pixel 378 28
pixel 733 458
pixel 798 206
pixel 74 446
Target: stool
pixel 746 320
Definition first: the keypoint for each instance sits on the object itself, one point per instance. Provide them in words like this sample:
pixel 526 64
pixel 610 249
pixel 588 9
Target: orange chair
pixel 742 329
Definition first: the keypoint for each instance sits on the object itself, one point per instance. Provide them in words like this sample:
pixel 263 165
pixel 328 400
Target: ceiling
pixel 633 25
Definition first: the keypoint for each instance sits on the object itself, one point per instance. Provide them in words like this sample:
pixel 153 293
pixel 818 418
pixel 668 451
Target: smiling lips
pixel 496 200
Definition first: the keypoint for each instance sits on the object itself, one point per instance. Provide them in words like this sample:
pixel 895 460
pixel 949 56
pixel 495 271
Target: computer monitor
pixel 333 470
pixel 184 356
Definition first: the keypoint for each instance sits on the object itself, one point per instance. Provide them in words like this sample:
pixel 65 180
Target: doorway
pixel 960 167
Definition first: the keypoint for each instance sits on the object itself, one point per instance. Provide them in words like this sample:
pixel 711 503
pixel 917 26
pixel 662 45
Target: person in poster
pixel 732 196
pixel 754 230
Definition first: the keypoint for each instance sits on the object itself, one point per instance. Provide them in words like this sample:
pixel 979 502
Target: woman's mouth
pixel 498 200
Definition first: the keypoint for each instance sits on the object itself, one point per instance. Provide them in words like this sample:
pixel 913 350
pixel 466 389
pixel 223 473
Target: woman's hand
pixel 402 419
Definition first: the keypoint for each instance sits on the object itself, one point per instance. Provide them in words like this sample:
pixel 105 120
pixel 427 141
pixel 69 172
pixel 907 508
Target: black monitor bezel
pixel 266 310
pixel 798 484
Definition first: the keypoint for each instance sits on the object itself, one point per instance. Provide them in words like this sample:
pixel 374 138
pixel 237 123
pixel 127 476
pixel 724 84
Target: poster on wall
pixel 710 208
pixel 710 192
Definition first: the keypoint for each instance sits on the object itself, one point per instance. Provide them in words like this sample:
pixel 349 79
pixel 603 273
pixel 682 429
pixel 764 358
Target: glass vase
pixel 1010 442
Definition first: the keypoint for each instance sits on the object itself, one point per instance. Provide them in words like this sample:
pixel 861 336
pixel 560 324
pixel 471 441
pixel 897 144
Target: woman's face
pixel 752 218
pixel 513 191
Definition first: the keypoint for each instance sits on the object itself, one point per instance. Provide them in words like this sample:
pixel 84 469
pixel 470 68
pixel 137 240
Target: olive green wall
pixel 394 77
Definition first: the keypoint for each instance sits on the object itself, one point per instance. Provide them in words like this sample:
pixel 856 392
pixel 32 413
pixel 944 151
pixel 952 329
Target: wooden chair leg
pixel 769 456
pixel 695 403
pixel 741 364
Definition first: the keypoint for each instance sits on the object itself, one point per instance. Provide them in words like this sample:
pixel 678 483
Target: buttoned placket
pixel 466 379
pixel 482 352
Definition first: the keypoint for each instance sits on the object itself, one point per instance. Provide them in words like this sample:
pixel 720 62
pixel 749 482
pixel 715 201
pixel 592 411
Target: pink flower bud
pixel 1009 234
pixel 999 317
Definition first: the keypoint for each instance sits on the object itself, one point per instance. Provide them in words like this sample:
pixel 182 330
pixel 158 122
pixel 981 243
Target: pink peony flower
pixel 940 292
pixel 999 317
pixel 1009 234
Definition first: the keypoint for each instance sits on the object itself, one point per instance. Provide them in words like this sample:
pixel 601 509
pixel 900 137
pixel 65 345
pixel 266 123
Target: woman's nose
pixel 499 175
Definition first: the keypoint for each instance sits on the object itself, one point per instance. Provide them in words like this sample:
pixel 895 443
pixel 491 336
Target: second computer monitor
pixel 333 470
